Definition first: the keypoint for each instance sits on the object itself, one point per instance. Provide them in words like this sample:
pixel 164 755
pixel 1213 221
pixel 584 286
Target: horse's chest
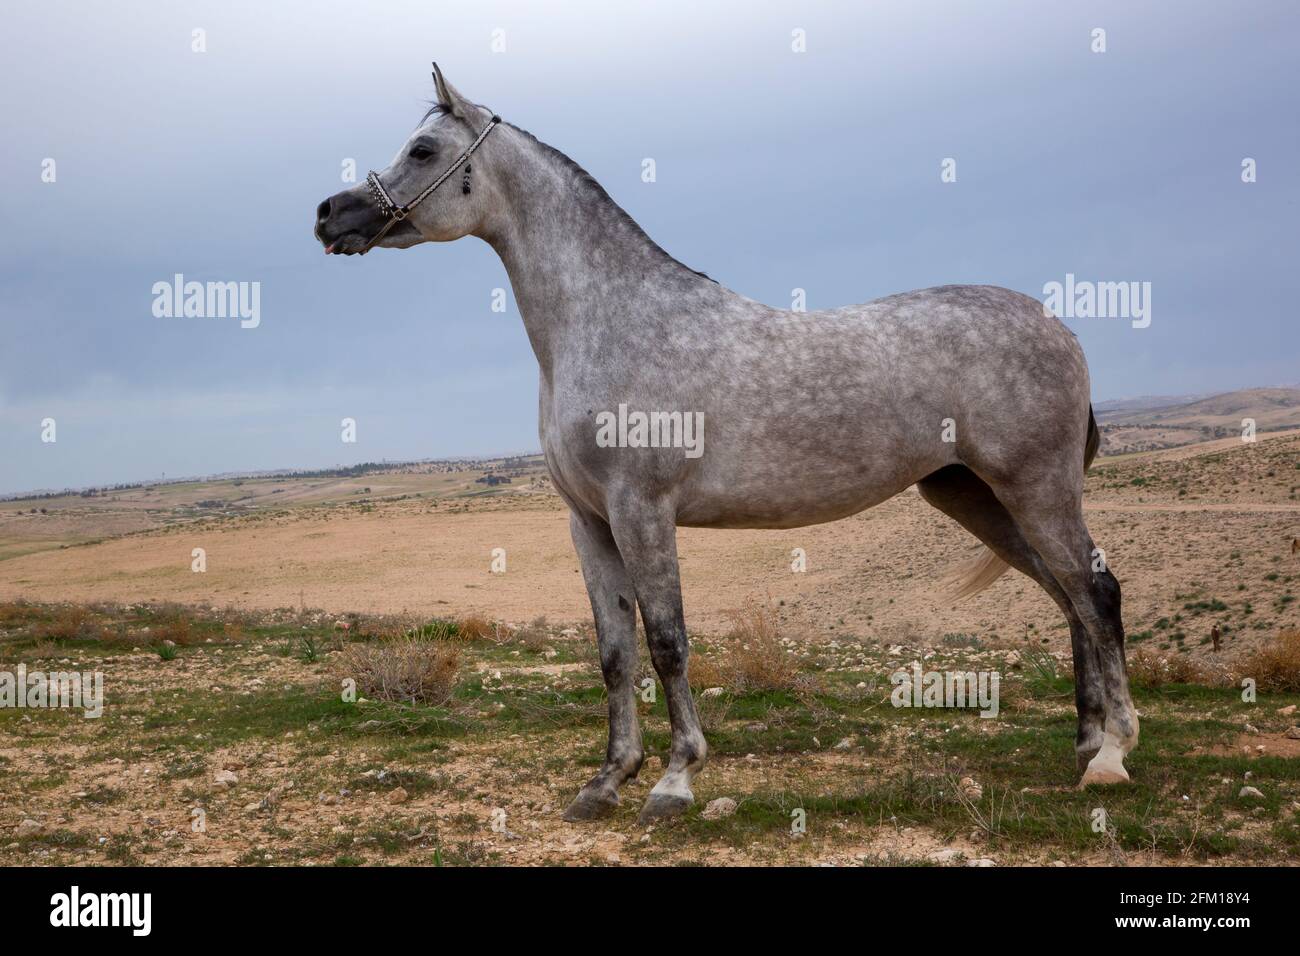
pixel 564 436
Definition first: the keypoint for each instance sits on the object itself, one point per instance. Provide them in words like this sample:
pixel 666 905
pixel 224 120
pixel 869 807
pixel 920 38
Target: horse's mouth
pixel 351 243
pixel 348 244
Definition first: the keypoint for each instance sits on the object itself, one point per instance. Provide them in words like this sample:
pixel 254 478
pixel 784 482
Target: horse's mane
pixel 588 185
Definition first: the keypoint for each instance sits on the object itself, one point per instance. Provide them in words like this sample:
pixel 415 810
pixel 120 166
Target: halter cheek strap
pixel 396 213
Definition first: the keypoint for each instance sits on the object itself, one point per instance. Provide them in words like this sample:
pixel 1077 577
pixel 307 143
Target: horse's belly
pixel 794 503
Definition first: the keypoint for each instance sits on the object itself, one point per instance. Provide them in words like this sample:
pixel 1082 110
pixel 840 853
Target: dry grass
pixel 1276 666
pixel 15 612
pixel 460 630
pixel 534 636
pixel 69 624
pixel 476 628
pixel 753 659
pixel 175 628
pixel 1151 670
pixel 407 669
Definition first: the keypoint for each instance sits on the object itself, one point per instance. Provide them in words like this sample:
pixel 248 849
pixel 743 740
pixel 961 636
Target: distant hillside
pixel 1146 424
pixel 1143 403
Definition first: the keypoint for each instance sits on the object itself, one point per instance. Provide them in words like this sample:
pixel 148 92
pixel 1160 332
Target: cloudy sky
pixel 775 170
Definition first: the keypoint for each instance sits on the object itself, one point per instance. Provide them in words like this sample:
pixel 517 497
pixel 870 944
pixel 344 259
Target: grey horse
pixel 972 393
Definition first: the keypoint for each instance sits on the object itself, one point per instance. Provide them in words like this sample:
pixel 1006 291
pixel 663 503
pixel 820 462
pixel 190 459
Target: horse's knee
pixel 669 648
pixel 618 662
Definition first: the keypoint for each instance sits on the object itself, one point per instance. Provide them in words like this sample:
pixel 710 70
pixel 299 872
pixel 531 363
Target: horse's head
pixel 349 222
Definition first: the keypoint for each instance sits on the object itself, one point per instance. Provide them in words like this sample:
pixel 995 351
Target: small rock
pixel 28 828
pixel 398 796
pixel 225 778
pixel 982 861
pixel 846 744
pixel 1251 792
pixel 719 808
pixel 1287 711
pixel 944 856
pixel 971 789
pixel 1294 732
pixel 711 692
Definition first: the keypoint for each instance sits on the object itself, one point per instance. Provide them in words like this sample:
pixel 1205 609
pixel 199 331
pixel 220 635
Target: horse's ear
pixel 449 99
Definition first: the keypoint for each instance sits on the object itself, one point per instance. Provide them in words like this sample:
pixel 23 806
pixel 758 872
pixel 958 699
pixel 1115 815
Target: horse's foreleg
pixel 647 539
pixel 613 606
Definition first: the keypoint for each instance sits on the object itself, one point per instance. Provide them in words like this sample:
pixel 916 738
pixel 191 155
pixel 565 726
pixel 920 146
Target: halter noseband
pixel 396 213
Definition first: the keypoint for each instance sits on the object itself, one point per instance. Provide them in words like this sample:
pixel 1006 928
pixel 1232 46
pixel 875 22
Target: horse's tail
pixel 986 567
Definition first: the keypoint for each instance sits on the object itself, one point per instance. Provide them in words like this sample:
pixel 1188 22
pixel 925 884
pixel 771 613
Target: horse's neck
pixel 576 261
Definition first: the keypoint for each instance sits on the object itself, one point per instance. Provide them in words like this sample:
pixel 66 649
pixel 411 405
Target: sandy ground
pixel 877 574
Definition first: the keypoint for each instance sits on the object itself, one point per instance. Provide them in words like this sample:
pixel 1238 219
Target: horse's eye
pixel 421 152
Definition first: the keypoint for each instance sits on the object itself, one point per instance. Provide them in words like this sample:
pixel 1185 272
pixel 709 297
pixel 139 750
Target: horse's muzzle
pixel 345 222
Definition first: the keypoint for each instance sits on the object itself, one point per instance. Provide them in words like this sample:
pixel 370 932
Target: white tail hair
pixel 971 577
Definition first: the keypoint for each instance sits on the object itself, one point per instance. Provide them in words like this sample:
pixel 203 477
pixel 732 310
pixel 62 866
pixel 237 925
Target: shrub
pixel 475 628
pixel 1150 670
pixel 753 659
pixel 175 628
pixel 69 624
pixel 408 669
pixel 436 630
pixel 533 635
pixel 1276 665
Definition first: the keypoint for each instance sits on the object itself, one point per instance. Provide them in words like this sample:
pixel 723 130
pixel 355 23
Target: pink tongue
pixel 329 248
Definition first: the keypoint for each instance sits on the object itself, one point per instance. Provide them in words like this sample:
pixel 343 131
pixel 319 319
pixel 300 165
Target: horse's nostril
pixel 323 211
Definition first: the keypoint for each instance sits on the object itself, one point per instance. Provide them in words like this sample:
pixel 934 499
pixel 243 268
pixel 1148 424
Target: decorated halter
pixel 396 213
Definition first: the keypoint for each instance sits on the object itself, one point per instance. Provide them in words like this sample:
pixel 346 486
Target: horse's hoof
pixel 1103 776
pixel 588 805
pixel 662 806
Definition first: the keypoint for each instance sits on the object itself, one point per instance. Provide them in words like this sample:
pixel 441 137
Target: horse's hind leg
pixel 1048 510
pixel 647 539
pixel 613 606
pixel 963 496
